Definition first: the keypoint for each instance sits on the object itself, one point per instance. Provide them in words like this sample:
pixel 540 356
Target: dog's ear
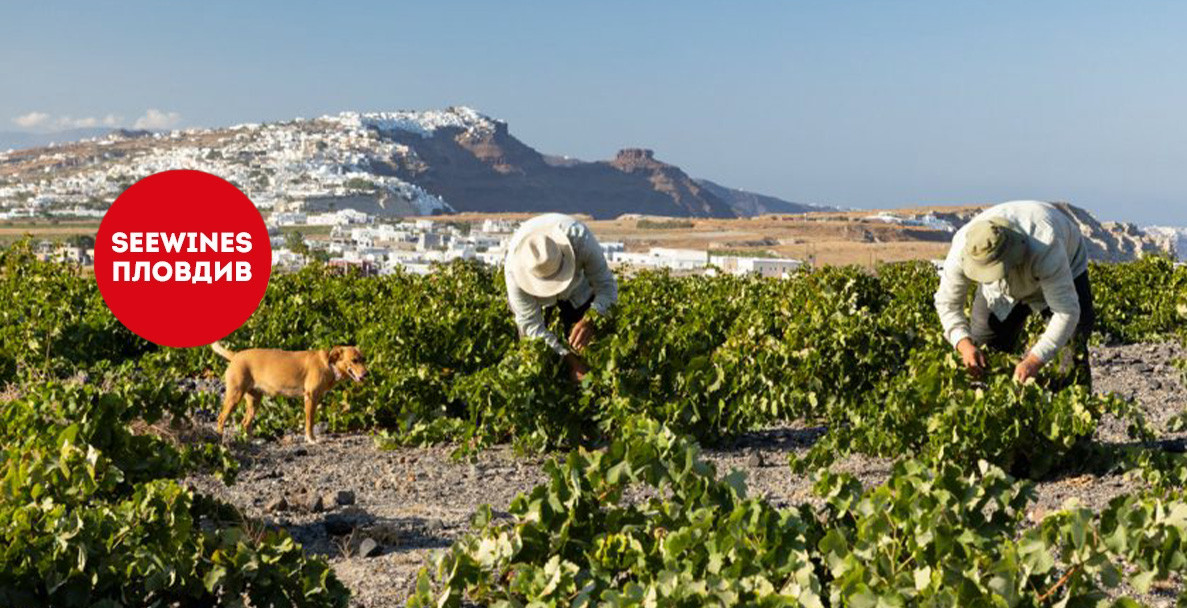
pixel 335 354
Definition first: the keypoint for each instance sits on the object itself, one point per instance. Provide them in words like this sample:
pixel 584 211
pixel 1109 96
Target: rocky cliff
pixel 488 170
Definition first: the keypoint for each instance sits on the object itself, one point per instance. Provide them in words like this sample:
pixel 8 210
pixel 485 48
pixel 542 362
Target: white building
pixel 612 247
pixel 288 218
pixel 72 255
pixel 499 226
pixel 263 201
pixel 663 257
pixel 78 212
pixel 16 214
pixel 484 242
pixel 284 259
pixel 380 232
pixel 342 217
pixel 491 258
pixel 772 268
pixel 373 255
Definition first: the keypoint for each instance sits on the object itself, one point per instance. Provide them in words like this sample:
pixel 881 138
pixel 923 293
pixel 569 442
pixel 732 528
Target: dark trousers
pixel 570 314
pixel 1004 335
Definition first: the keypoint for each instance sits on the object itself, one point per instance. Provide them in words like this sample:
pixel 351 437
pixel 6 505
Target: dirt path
pixel 344 493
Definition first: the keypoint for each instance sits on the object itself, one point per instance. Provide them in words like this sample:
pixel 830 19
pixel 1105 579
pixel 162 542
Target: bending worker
pixel 554 262
pixel 1025 256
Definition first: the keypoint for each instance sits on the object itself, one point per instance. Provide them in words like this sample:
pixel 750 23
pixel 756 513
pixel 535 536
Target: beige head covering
pixel 991 248
pixel 542 263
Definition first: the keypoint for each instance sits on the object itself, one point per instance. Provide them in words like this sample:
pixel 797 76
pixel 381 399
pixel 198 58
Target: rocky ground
pixel 376 515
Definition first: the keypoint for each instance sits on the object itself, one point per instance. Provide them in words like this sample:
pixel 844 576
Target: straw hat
pixel 543 264
pixel 991 248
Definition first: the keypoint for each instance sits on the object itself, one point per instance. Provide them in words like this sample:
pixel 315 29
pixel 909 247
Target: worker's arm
pixel 952 296
pixel 592 261
pixel 950 301
pixel 1054 272
pixel 529 317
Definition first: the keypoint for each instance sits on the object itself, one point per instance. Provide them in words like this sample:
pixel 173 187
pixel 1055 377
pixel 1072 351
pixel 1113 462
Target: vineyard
pixel 94 510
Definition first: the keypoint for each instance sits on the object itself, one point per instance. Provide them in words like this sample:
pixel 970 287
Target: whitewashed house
pixel 341 217
pixel 288 218
pixel 773 268
pixel 494 226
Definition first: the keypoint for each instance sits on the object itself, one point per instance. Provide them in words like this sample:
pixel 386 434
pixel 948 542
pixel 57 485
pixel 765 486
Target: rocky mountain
pixel 484 168
pixel 1170 238
pixel 383 163
pixel 749 204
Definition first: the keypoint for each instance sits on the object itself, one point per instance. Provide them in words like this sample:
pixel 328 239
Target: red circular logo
pixel 182 258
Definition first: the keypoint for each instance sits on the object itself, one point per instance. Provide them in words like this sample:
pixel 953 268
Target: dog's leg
pixel 253 398
pixel 311 398
pixel 230 400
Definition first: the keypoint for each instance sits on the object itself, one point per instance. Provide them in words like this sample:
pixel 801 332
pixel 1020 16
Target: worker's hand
pixel 581 334
pixel 1027 368
pixel 974 359
pixel 577 368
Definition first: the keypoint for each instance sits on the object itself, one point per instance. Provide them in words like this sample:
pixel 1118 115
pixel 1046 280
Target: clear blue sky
pixel 856 103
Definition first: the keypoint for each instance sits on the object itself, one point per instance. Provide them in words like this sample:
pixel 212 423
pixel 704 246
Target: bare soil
pixel 412 501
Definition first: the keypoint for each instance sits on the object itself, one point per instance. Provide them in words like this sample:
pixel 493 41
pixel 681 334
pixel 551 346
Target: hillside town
pixel 416 246
pixel 300 165
pixel 359 242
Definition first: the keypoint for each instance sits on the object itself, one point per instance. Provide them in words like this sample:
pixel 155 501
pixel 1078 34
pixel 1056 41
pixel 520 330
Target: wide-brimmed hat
pixel 542 263
pixel 991 248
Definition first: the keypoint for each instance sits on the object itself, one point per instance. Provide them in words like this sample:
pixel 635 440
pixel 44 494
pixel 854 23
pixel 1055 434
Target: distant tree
pixel 358 183
pixel 295 242
pixel 84 241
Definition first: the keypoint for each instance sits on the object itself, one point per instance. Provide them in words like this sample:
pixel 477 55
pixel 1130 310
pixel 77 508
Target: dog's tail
pixel 222 351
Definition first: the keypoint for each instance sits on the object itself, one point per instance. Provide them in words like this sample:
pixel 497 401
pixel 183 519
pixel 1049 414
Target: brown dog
pixel 256 372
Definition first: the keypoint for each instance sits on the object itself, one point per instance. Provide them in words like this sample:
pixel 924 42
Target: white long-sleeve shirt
pixel 593 278
pixel 1055 256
